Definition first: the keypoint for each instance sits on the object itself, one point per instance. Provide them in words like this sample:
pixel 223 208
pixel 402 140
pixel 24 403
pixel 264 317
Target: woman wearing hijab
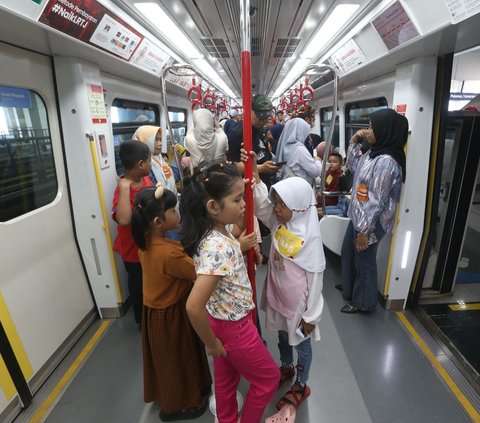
pixel 272 136
pixel 378 177
pixel 312 141
pixel 161 172
pixel 203 141
pixel 291 150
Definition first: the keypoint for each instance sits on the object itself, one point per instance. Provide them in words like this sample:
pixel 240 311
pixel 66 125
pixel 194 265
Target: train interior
pixel 77 77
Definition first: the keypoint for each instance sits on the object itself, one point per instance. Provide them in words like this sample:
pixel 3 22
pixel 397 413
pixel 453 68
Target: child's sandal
pixel 285 415
pixel 298 396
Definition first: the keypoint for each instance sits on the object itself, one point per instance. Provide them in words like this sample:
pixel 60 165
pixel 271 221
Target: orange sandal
pixel 298 395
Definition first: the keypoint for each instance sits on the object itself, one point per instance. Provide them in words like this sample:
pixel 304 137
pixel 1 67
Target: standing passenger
pixel 292 152
pixel 221 302
pixel 293 293
pixel 378 177
pixel 175 367
pixel 161 171
pixel 204 142
pixel 136 159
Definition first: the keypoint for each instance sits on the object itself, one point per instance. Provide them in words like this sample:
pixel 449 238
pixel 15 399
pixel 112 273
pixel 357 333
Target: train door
pixel 44 294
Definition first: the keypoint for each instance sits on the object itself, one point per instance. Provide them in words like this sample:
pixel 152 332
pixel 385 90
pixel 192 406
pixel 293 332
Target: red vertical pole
pixel 247 133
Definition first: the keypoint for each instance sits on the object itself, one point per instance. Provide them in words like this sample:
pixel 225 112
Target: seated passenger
pixel 334 204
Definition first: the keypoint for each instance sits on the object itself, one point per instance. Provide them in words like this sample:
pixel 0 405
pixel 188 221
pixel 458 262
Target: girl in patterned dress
pixel 175 365
pixel 221 301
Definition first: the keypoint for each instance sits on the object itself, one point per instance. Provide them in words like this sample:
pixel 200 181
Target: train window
pixel 325 122
pixel 358 114
pixel 127 116
pixel 28 178
pixel 178 120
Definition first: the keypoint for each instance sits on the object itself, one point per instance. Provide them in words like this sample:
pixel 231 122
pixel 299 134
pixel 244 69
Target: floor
pixel 461 327
pixel 365 369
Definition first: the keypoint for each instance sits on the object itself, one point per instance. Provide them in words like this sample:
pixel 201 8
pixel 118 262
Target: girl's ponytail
pixel 147 208
pixel 209 182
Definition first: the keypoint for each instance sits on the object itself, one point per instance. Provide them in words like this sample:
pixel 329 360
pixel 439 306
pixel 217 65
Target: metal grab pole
pixel 319 68
pixel 173 69
pixel 247 135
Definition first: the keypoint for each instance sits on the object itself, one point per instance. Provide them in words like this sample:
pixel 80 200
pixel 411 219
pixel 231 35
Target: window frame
pixel 37 143
pixel 127 127
pixel 176 123
pixel 362 104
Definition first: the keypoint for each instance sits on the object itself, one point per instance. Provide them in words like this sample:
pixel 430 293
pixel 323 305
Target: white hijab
pixel 294 134
pixel 298 196
pixel 203 142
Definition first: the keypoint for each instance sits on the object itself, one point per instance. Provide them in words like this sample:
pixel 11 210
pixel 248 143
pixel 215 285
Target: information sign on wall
pixel 462 9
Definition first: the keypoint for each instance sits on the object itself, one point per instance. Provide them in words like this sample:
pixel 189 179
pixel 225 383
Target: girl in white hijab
pixel 291 150
pixel 203 141
pixel 161 171
pixel 293 291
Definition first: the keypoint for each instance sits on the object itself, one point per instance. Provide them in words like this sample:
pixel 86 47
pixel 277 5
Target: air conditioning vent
pixel 286 47
pixel 215 47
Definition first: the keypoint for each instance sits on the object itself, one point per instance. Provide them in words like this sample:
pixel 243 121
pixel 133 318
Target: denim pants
pixel 359 270
pixel 304 352
pixel 247 356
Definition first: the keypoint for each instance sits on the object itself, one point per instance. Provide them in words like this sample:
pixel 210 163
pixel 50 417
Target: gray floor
pixel 365 369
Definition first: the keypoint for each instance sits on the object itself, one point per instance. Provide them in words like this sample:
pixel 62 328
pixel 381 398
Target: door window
pixel 28 179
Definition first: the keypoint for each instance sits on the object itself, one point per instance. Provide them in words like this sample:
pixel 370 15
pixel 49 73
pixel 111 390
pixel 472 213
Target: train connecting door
pixel 44 295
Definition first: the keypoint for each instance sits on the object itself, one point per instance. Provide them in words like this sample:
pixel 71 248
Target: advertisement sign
pixel 91 22
pixel 348 57
pixel 394 26
pixel 150 57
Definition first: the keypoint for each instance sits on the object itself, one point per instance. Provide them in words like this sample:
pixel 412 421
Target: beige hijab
pixel 160 168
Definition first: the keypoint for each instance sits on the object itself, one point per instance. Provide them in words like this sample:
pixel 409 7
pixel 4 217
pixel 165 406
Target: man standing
pixel 261 112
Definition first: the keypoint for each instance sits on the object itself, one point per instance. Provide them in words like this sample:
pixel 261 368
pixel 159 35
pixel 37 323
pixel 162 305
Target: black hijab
pixel 312 141
pixel 391 132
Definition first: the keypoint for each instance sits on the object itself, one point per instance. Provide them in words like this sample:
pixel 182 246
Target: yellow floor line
pixel 466 404
pixel 464 307
pixel 43 409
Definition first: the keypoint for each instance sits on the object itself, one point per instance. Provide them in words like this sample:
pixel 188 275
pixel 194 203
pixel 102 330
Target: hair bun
pixel 159 191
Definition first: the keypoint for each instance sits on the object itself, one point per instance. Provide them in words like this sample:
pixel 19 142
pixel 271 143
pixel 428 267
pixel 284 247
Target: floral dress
pixel 220 255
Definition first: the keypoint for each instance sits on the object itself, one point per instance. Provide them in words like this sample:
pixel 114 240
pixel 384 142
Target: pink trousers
pixel 247 356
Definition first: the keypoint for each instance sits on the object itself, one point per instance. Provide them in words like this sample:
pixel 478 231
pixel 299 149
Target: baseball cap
pixel 262 106
pixel 233 113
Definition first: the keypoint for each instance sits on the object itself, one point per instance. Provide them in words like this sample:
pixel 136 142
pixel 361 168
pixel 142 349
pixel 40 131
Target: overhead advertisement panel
pixel 94 24
pixel 394 26
pixel 348 57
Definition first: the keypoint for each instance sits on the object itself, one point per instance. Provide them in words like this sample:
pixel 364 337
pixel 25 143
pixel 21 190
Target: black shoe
pixel 339 286
pixel 350 309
